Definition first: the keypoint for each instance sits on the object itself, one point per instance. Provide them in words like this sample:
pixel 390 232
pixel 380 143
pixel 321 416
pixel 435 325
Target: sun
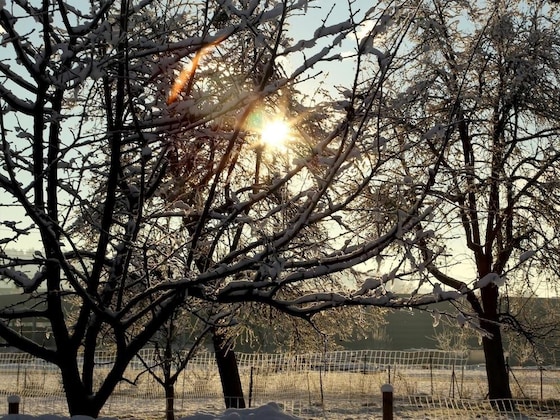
pixel 275 133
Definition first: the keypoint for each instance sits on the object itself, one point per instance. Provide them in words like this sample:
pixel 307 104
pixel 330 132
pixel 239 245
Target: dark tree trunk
pixel 169 383
pixel 496 367
pixel 82 400
pixel 229 373
pixel 170 401
pixel 77 398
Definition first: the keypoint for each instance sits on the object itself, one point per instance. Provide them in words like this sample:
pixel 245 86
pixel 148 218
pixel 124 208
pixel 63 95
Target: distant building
pixel 12 295
pixel 6 257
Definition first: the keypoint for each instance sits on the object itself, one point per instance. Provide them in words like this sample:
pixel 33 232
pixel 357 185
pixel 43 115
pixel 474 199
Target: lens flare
pixel 275 133
pixel 180 83
pixel 185 80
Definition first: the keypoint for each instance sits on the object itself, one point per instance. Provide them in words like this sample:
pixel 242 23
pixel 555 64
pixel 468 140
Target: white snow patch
pixel 180 204
pixel 488 279
pixel 437 317
pixel 526 256
pixel 461 320
pixel 369 284
pixel 18 277
pixel 270 411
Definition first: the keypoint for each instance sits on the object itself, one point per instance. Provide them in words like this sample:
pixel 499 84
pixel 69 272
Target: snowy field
pixel 269 411
pixel 335 391
pixel 141 410
pixel 343 407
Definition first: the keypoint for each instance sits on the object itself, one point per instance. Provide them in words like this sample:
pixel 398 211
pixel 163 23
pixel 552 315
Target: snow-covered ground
pixel 271 411
pixel 426 408
pixel 310 395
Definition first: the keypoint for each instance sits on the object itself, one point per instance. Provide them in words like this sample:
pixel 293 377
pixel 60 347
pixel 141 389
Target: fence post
pixel 387 392
pixel 431 376
pixel 541 375
pixel 13 404
pixel 251 387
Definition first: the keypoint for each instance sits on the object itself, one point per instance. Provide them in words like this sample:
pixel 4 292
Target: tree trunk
pixel 168 380
pixel 82 400
pixel 78 400
pixel 496 369
pixel 229 373
pixel 497 373
pixel 170 401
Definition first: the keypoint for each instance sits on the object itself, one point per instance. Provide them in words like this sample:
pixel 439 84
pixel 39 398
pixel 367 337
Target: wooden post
pixel 387 392
pixel 13 404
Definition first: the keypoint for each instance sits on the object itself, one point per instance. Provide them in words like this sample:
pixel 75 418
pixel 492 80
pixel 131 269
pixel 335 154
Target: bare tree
pixel 483 79
pixel 93 106
pixel 174 346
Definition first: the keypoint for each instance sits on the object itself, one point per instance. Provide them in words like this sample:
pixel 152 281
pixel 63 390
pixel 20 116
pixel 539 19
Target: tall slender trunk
pixel 229 372
pixel 169 382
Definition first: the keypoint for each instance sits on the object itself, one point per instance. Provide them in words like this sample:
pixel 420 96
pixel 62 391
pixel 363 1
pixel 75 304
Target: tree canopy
pixel 134 155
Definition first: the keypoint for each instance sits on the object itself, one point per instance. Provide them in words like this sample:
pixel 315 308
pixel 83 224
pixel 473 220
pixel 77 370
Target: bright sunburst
pixel 275 133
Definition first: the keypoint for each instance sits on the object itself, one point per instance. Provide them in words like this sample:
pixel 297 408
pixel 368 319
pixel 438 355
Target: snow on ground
pixel 48 417
pixel 270 411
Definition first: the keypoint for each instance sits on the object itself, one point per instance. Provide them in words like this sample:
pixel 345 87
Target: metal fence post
pixel 387 392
